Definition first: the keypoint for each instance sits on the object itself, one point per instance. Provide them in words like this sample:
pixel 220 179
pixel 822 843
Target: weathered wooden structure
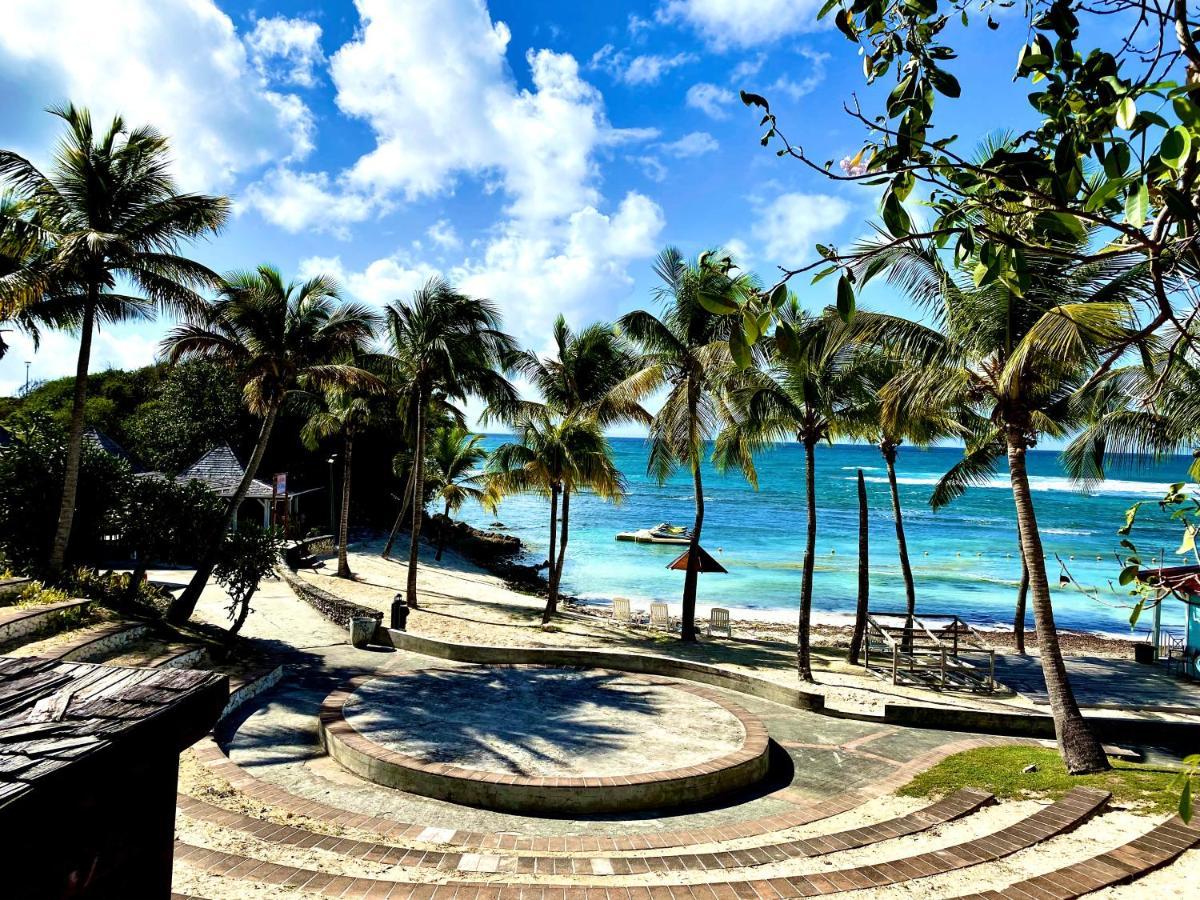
pixel 89 758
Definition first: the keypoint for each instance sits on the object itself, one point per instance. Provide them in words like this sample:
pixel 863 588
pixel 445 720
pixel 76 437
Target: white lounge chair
pixel 660 616
pixel 718 620
pixel 621 611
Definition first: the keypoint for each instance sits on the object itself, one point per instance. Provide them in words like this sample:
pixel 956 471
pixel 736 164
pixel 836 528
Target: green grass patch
pixel 1148 788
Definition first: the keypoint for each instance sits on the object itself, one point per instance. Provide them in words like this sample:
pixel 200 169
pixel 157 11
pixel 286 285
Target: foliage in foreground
pixel 1149 788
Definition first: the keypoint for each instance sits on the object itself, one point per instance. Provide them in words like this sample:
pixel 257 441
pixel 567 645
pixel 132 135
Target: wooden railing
pixel 928 656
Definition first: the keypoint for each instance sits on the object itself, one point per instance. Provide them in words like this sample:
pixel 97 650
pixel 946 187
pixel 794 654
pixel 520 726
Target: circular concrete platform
pixel 534 739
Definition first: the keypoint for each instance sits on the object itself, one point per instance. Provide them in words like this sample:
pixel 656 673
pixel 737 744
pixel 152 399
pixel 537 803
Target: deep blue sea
pixel 964 557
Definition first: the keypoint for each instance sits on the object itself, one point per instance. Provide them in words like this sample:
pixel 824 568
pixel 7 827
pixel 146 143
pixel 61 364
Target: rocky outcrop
pixel 482 547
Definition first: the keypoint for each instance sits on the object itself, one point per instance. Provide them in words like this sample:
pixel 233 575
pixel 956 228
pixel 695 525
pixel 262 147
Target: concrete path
pixel 1102 683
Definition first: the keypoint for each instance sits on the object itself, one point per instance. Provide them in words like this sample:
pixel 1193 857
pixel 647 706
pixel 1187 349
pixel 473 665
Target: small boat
pixel 663 533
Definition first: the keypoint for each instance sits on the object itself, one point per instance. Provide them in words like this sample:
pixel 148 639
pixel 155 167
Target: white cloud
pixel 642 69
pixel 392 278
pixel 176 64
pixel 579 268
pixel 432 80
pixel 638 25
pixel 747 68
pixel 296 201
pixel 697 143
pixel 711 99
pixel 442 234
pixel 736 23
pixel 789 225
pixel 119 347
pixel 286 50
pixel 652 167
pixel 806 85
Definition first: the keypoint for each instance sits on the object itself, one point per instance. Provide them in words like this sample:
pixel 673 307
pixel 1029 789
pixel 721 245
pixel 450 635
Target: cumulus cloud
pixel 711 99
pixel 697 143
pixel 788 226
pixel 647 68
pixel 726 24
pixel 432 81
pixel 120 347
pixel 177 64
pixel 297 201
pixel 443 235
pixel 286 50
pixel 391 278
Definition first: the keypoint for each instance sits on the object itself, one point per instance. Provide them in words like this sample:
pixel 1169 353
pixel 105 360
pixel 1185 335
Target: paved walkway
pixel 1103 683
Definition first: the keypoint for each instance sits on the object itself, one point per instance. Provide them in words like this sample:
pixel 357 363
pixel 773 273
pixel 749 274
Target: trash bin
pixel 1144 653
pixel 362 629
pixel 399 613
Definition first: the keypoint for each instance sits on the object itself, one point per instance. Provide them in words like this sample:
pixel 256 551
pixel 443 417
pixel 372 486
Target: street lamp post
pixel 332 529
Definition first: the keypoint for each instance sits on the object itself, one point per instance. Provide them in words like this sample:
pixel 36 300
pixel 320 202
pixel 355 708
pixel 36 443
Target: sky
pixel 537 153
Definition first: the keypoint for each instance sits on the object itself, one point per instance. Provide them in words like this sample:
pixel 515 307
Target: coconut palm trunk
pixel 1019 614
pixel 343 569
pixel 442 532
pixel 405 499
pixel 803 653
pixel 864 574
pixel 563 529
pixel 692 575
pixel 66 508
pixel 1080 749
pixel 184 605
pixel 910 590
pixel 418 510
pixel 551 596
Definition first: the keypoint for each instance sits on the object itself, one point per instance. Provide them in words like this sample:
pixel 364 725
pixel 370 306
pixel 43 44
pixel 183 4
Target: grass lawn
pixel 1150 789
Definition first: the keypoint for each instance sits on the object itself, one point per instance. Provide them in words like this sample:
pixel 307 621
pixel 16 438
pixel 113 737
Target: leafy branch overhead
pixel 1112 157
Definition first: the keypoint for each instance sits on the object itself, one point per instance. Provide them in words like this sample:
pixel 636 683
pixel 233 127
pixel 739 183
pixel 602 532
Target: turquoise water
pixel 964 557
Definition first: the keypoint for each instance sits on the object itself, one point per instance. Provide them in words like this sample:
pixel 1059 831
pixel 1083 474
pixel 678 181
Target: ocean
pixel 964 557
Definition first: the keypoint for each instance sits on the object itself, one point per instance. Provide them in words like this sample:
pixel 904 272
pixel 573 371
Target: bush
pixel 31 478
pixel 246 557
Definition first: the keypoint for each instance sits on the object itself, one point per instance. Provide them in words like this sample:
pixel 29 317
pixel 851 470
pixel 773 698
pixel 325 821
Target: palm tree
pixel 455 461
pixel 550 457
pixel 108 218
pixel 684 352
pixel 812 392
pixel 580 380
pixel 343 413
pixel 1015 354
pixel 443 342
pixel 278 337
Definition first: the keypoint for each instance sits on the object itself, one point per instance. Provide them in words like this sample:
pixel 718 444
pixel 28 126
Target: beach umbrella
pixel 707 563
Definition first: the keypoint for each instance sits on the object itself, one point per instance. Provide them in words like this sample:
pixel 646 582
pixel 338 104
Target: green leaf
pixel 1105 192
pixel 716 304
pixel 1175 146
pixel 738 348
pixel 1137 613
pixel 750 326
pixel 829 4
pixel 895 216
pixel 755 100
pixel 944 82
pixel 1185 800
pixel 785 340
pixel 845 299
pixel 1128 574
pixel 1137 206
pixel 1126 113
pixel 778 296
pixel 1116 161
pixel 846 25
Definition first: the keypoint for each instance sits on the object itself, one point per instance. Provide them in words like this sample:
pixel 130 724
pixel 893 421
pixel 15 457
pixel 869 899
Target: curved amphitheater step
pixel 30 621
pixel 958 805
pixel 1069 812
pixel 84 644
pixel 155 653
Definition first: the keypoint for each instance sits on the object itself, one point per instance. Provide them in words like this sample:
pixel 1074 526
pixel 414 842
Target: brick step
pixel 22 621
pixel 1121 865
pixel 1072 810
pixel 956 806
pixel 85 644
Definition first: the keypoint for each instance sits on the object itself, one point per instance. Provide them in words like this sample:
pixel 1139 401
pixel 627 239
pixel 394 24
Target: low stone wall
pixel 1140 732
pixel 249 689
pixel 24 623
pixel 552 795
pixel 10 587
pixel 115 638
pixel 605 659
pixel 332 607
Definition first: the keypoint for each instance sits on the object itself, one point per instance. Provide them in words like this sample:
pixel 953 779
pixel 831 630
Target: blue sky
pixel 536 152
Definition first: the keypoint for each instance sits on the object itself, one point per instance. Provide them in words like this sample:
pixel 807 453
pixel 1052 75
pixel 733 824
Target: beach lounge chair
pixel 660 617
pixel 718 620
pixel 621 612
